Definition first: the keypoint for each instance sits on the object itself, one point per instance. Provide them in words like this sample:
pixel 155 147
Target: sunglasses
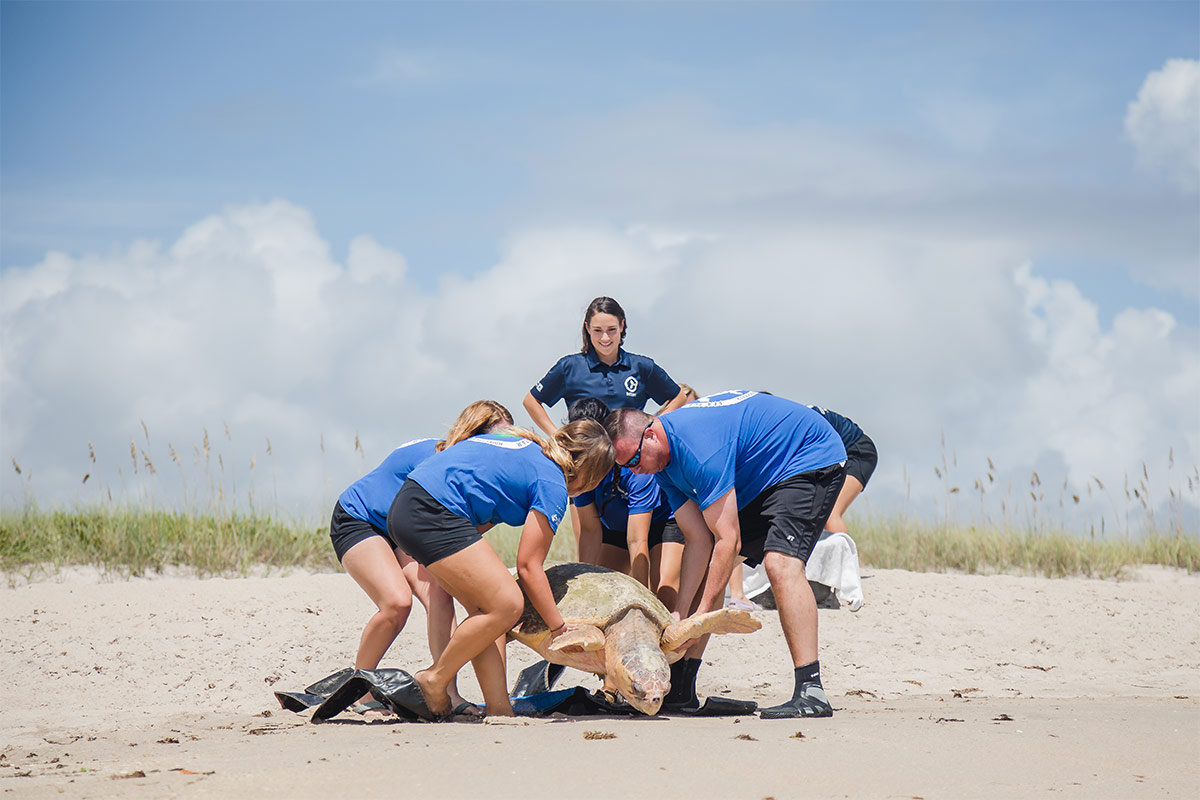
pixel 637 455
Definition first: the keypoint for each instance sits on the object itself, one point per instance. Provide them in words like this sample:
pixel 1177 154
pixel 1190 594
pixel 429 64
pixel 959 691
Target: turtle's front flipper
pixel 585 637
pixel 724 620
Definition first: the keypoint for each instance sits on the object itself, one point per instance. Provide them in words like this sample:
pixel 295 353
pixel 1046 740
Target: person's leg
pixel 614 558
pixel 373 567
pixel 682 695
pixel 440 619
pixel 665 561
pixel 581 548
pixel 798 617
pixel 478 579
pixel 796 604
pixel 799 510
pixel 851 489
pixel 736 592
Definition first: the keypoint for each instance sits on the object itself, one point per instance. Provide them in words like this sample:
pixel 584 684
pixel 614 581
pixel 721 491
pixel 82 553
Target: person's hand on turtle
pixel 562 630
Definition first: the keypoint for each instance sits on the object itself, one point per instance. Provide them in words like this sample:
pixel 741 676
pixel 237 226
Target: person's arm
pixel 536 537
pixel 637 535
pixel 722 519
pixel 697 551
pixel 674 403
pixel 538 413
pixel 591 536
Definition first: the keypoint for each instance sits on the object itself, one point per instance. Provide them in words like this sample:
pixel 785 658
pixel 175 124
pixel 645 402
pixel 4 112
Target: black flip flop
pixel 714 707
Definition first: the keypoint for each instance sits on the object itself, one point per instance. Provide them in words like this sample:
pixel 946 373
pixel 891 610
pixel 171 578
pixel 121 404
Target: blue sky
pixel 477 146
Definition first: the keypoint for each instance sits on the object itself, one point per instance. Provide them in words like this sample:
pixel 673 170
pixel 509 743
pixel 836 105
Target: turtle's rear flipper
pixel 537 678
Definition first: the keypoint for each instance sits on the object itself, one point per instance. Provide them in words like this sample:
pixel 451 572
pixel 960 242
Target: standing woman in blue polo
pixel 604 370
pixel 439 515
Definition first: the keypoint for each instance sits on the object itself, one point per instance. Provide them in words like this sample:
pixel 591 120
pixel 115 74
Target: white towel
pixel 834 562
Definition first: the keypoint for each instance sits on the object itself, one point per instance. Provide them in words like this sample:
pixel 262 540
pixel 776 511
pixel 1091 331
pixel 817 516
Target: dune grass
pixel 131 530
pixel 140 542
pixel 905 544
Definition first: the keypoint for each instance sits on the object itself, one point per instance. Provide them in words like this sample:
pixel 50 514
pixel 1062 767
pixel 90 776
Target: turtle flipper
pixel 585 637
pixel 723 620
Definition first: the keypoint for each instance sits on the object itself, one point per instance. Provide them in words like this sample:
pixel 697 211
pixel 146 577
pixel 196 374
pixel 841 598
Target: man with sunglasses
pixel 749 473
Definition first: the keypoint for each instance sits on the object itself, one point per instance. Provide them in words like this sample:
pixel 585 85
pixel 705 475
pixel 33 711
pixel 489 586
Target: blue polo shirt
pixel 495 477
pixel 629 383
pixel 370 497
pixel 745 441
pixel 846 427
pixel 614 507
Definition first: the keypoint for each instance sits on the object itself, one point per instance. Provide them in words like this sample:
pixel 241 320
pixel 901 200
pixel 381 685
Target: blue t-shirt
pixel 745 441
pixel 614 507
pixel 846 427
pixel 495 477
pixel 370 497
pixel 629 383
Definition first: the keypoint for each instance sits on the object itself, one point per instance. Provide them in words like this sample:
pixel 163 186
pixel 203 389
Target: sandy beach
pixel 947 686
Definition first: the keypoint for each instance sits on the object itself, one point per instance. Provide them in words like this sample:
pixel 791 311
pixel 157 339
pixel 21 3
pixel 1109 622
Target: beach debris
pixel 598 735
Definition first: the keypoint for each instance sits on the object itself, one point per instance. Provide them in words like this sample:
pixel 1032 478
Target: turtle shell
pixel 593 595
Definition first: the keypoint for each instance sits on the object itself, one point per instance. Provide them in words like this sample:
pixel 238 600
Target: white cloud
pixel 248 321
pixel 1164 122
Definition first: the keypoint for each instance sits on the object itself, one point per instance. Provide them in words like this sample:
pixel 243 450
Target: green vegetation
pixel 140 542
pixel 1012 526
pixel 906 544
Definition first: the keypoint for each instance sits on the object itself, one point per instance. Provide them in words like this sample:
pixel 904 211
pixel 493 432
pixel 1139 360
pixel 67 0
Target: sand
pixel 947 686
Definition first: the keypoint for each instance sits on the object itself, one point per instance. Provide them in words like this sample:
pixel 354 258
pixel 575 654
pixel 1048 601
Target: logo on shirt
pixel 507 444
pixel 631 385
pixel 737 396
pixel 539 386
pixel 554 520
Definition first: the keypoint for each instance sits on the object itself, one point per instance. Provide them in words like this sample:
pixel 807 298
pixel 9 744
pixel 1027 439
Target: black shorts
pixel 861 458
pixel 616 538
pixel 789 517
pixel 425 529
pixel 346 531
pixel 671 532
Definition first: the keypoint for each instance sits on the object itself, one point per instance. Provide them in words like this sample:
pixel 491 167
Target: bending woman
pixel 359 531
pixel 440 514
pixel 626 524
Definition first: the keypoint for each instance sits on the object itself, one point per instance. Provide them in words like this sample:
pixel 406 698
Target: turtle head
pixel 635 663
pixel 647 689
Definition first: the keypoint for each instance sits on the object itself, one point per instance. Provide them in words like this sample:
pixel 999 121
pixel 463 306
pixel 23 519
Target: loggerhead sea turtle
pixel 626 634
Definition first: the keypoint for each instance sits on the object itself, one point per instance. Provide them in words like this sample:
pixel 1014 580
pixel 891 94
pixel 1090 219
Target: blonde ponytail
pixel 479 417
pixel 581 449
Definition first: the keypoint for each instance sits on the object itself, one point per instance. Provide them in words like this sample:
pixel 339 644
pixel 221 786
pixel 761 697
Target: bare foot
pixel 438 701
pixel 507 711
